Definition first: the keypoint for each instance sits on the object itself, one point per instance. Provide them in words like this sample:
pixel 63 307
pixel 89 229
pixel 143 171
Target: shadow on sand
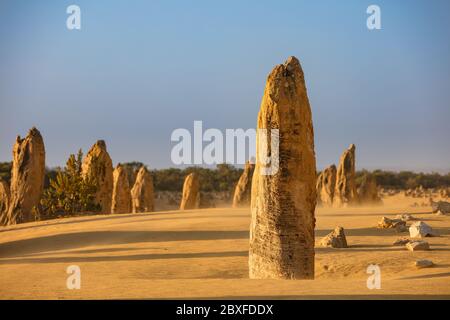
pixel 152 256
pixel 83 239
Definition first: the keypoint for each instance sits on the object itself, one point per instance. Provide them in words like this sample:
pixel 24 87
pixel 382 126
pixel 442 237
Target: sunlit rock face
pixel 27 178
pixel 345 193
pixel 142 193
pixel 191 192
pixel 98 166
pixel 283 203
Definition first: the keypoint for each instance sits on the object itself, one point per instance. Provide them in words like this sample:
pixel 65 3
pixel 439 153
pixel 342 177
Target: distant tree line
pixel 409 179
pixel 224 177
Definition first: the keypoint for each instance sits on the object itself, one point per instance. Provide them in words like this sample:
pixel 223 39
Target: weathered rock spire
pixel 283 203
pixel 97 165
pixel 27 178
pixel 345 193
pixel 191 192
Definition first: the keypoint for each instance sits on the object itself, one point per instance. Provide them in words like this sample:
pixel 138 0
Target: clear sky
pixel 137 70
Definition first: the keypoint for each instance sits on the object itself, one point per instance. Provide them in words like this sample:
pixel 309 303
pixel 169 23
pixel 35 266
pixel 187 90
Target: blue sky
pixel 137 70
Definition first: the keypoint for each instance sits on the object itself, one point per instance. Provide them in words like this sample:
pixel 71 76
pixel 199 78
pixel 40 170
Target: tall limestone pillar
pixel 326 184
pixel 243 190
pixel 142 193
pixel 283 201
pixel 345 193
pixel 191 192
pixel 121 196
pixel 98 166
pixel 27 178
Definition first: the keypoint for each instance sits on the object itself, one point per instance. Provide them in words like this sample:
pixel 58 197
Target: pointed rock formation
pixel 243 191
pixel 368 191
pixel 191 192
pixel 98 166
pixel 27 177
pixel 4 201
pixel 142 194
pixel 345 192
pixel 326 182
pixel 121 196
pixel 284 199
pixel 335 239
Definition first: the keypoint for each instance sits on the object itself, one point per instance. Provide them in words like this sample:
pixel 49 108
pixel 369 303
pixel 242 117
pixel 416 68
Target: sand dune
pixel 204 254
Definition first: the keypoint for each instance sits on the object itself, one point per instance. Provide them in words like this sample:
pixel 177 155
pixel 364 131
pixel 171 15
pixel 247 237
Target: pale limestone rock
pixel 335 239
pixel 345 192
pixel 191 192
pixel 243 191
pixel 142 193
pixel 386 223
pixel 97 165
pixel 418 246
pixel 326 183
pixel 420 229
pixel 121 196
pixel 283 203
pixel 27 178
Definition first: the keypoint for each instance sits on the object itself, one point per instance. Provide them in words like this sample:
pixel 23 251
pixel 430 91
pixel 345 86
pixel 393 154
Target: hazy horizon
pixel 137 71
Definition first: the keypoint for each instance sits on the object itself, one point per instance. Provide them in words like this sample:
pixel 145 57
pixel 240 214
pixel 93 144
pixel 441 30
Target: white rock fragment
pixel 420 230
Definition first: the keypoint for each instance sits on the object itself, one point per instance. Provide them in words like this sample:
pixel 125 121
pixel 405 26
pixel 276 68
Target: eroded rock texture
pixel 345 193
pixel 191 192
pixel 142 193
pixel 121 196
pixel 326 182
pixel 27 178
pixel 243 191
pixel 283 203
pixel 335 239
pixel 98 166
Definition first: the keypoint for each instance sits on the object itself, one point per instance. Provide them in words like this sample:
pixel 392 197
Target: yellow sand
pixel 203 254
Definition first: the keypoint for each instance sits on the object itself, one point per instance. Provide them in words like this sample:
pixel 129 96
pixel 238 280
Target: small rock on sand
pixel 420 229
pixel 397 224
pixel 335 239
pixel 423 264
pixel 418 246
